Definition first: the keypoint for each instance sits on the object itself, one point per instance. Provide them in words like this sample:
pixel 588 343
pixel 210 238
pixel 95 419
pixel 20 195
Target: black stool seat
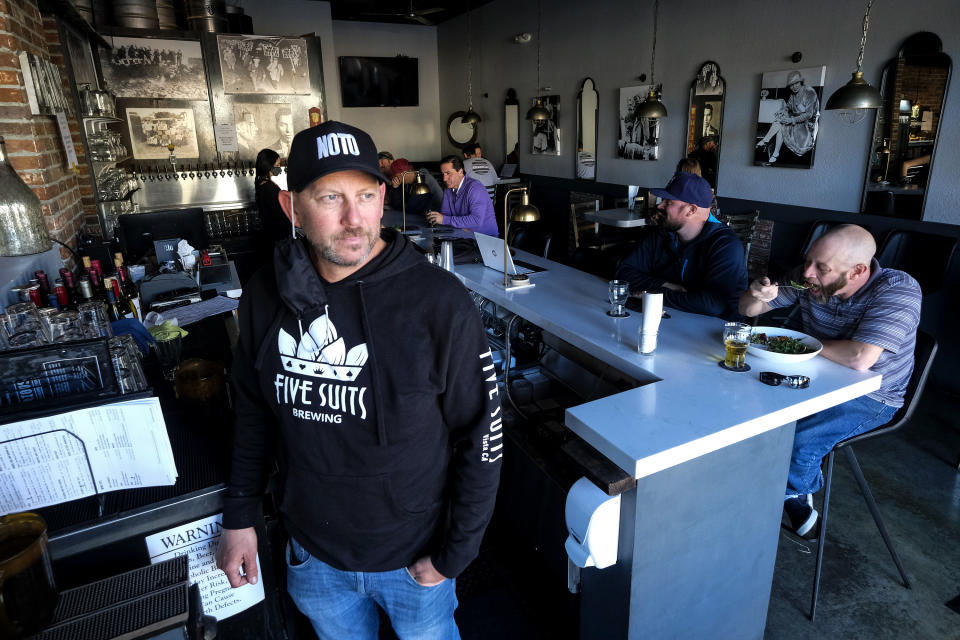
pixel 923 355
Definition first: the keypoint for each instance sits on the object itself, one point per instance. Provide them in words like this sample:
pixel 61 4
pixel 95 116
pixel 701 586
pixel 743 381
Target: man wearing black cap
pixel 697 262
pixel 364 371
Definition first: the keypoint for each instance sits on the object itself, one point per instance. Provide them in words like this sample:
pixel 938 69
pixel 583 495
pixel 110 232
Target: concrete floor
pixel 917 489
pixel 913 477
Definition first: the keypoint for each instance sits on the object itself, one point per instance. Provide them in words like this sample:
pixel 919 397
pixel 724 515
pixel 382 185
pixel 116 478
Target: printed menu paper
pixel 198 541
pixel 46 461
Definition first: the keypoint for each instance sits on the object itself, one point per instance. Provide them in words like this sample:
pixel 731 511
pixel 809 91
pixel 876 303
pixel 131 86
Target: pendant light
pixel 471 117
pixel 538 111
pixel 857 93
pixel 652 107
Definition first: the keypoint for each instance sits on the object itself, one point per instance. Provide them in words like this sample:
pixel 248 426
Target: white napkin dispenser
pixel 593 522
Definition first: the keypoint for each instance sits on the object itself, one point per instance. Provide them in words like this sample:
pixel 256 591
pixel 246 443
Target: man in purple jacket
pixel 466 204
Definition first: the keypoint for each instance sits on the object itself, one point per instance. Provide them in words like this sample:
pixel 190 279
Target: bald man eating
pixel 866 317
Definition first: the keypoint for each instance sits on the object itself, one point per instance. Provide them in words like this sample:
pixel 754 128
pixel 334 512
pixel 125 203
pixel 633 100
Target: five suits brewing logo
pixel 322 354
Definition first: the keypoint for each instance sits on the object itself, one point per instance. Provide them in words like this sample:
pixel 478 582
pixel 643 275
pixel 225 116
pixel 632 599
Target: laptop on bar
pixel 491 250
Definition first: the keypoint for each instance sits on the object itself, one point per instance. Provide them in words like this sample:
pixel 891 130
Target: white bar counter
pixel 695 407
pixel 710 449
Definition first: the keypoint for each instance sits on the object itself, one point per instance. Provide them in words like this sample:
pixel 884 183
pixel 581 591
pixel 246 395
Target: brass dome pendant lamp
pixel 538 112
pixel 652 107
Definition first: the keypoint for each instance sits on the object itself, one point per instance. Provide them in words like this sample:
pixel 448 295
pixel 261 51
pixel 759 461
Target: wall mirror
pixel 906 129
pixel 459 133
pixel 511 128
pixel 705 120
pixel 587 113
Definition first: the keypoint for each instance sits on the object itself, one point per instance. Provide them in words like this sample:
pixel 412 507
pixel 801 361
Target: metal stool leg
pixel 872 505
pixel 822 537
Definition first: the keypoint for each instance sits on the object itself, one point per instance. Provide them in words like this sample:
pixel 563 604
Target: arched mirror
pixel 904 143
pixel 511 128
pixel 705 120
pixel 459 133
pixel 587 113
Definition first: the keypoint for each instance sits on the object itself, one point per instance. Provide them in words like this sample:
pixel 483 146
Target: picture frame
pixel 154 68
pixel 639 138
pixel 545 134
pixel 265 65
pixel 788 117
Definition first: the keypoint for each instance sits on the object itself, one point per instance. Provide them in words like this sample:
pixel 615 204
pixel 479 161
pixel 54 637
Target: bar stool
pixel 923 355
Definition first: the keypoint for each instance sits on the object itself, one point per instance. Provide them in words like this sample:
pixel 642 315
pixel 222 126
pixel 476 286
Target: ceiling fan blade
pixel 426 12
pixel 423 20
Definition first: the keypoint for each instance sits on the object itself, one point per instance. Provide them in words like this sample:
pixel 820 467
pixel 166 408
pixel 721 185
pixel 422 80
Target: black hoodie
pixel 711 267
pixel 377 395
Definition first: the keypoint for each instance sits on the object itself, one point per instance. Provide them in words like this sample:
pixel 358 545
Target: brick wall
pixel 33 142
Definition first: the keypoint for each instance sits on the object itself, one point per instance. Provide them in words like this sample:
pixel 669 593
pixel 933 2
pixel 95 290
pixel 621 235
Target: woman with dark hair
pixel 273 221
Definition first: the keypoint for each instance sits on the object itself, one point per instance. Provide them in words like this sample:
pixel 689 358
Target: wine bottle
pixel 129 287
pixel 85 290
pixel 127 309
pixel 113 311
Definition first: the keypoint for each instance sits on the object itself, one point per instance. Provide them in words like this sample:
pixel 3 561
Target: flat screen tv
pixel 379 82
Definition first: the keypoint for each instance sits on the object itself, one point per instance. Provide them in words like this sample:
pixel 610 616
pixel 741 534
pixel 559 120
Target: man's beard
pixel 825 292
pixel 329 252
pixel 668 225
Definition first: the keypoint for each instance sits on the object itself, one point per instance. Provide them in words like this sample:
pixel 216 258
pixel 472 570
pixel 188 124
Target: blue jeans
pixel 343 604
pixel 816 436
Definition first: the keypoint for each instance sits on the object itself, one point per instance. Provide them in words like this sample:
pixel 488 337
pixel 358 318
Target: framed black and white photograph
pixel 264 65
pixel 546 133
pixel 263 126
pixel 44 87
pixel 639 137
pixel 709 82
pixel 154 68
pixel 152 129
pixel 788 118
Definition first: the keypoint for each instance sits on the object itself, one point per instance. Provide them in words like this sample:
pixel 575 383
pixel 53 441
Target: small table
pixel 622 217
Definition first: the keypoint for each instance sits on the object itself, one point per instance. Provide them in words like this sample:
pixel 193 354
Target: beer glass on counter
pixel 736 336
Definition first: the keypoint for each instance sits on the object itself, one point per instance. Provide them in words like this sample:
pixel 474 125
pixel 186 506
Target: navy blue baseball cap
pixel 328 148
pixel 686 187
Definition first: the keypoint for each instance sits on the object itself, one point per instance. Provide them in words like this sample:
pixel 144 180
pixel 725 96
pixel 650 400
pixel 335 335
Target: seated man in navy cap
pixel 697 263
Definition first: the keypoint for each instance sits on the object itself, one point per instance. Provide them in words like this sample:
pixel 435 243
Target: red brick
pixel 22 163
pixel 28 145
pixel 9 76
pixel 9 60
pixel 13 95
pixel 10 42
pixel 16 129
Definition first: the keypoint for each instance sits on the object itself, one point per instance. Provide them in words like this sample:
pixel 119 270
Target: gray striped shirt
pixel 885 312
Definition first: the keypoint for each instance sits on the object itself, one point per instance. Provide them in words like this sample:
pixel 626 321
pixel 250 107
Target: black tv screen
pixel 379 82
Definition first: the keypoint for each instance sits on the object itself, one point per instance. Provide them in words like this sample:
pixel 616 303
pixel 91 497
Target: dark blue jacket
pixel 711 268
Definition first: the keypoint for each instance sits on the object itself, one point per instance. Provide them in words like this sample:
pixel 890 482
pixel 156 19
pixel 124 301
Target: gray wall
pixel 610 41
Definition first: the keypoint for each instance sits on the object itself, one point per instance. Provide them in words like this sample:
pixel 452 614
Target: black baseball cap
pixel 328 148
pixel 685 187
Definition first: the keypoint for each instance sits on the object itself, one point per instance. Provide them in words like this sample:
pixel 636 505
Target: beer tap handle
pixel 206 170
pixel 229 170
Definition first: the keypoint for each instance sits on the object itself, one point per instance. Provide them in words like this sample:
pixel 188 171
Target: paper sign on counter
pixel 71 455
pixel 198 541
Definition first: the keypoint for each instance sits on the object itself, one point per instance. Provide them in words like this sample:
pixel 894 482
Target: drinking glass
pixel 736 337
pixel 25 326
pixel 617 293
pixel 168 353
pixel 93 318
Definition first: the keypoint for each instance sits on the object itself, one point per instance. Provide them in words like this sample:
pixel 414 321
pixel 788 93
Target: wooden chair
pixel 583 233
pixel 924 353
